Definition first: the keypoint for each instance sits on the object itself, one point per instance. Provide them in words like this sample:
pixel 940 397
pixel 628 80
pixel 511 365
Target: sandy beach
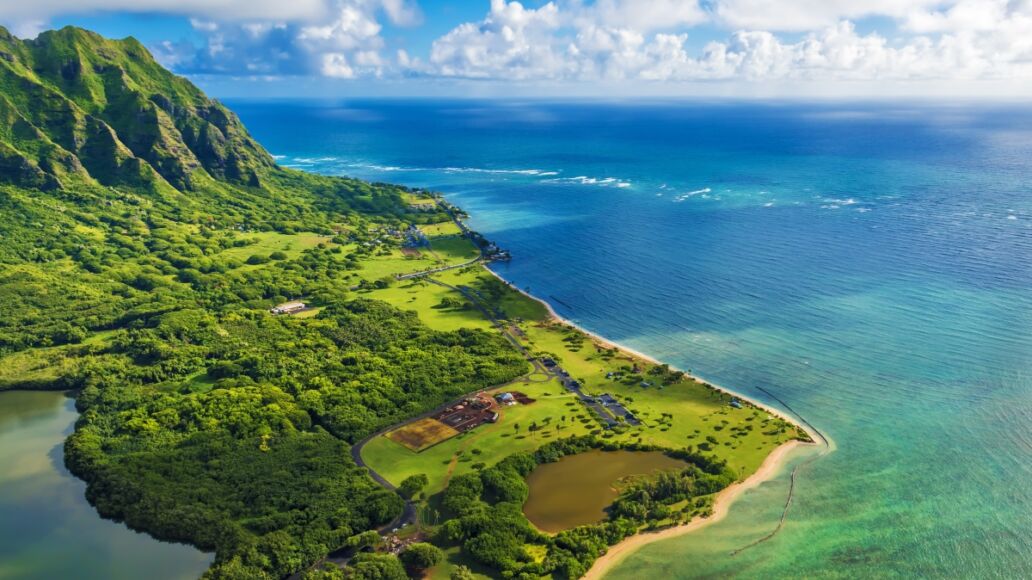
pixel 725 498
pixel 815 436
pixel 721 505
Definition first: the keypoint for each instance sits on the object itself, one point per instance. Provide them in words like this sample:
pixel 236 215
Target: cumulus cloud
pixel 964 39
pixel 808 15
pixel 637 41
pixel 345 43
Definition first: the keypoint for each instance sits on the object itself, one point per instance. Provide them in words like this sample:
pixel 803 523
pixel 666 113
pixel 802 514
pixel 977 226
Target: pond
pixel 577 489
pixel 47 528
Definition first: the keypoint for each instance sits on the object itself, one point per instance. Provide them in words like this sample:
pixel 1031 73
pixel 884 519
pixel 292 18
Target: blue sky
pixel 801 48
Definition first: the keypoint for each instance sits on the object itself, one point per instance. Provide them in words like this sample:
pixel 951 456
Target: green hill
pixel 77 108
pixel 144 236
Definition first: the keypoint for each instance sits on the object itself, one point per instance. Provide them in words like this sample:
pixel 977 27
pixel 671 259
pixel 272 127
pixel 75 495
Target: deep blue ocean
pixel 871 265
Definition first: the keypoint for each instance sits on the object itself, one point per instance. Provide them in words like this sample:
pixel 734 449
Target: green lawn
pixel 676 414
pixel 453 249
pixel 424 298
pixel 493 441
pixel 696 411
pixel 394 263
pixel 266 243
pixel 448 228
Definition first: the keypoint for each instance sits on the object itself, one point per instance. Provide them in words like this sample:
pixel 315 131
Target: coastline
pixel 725 498
pixel 814 435
pixel 721 506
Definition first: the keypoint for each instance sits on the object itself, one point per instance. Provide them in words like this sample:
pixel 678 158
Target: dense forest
pixel 132 210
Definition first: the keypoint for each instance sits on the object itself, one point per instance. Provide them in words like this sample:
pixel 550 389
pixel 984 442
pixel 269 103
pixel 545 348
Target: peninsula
pixel 315 376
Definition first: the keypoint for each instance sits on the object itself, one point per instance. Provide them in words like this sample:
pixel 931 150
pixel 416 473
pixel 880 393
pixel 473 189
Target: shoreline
pixel 815 436
pixel 725 498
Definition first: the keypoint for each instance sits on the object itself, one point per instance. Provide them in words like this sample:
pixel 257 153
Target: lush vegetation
pixel 143 238
pixel 490 526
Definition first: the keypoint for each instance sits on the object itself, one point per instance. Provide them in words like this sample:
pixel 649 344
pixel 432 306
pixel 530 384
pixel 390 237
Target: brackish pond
pixel 577 489
pixel 47 528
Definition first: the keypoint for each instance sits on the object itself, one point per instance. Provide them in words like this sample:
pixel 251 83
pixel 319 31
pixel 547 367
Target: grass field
pixel 675 414
pixel 421 434
pixel 38 368
pixel 425 299
pixel 266 243
pixel 448 228
pixel 488 443
pixel 41 368
pixel 453 249
pixel 511 302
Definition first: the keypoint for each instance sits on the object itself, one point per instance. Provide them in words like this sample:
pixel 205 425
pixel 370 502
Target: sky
pixel 577 48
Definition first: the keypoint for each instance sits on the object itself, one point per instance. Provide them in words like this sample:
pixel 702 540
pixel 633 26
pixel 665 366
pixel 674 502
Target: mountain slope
pixel 106 111
pixel 144 236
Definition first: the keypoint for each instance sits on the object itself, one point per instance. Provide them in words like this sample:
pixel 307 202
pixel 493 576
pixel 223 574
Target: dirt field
pixel 411 252
pixel 422 434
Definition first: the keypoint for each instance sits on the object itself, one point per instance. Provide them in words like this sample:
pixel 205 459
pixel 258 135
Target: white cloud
pixel 642 16
pixel 808 15
pixel 643 42
pixel 965 39
pixel 345 43
pixel 511 40
pixel 335 64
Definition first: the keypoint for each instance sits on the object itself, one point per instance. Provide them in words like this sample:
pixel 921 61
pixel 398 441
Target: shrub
pixel 421 556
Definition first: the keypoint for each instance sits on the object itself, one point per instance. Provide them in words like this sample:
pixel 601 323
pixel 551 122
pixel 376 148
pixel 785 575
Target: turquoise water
pixel 870 265
pixel 47 528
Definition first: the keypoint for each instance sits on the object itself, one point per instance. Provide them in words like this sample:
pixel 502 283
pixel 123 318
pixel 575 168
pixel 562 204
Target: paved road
pixel 467 233
pixel 425 273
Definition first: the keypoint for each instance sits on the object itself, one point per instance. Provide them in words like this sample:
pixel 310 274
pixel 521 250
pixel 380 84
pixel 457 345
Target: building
pixel 506 398
pixel 289 307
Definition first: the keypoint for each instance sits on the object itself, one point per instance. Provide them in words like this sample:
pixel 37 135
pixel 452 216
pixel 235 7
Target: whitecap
pixel 585 180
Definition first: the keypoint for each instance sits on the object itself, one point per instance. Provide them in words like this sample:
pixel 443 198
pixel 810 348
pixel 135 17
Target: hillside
pixel 144 236
pixel 145 239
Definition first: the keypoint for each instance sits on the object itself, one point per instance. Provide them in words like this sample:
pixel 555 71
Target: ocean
pixel 868 264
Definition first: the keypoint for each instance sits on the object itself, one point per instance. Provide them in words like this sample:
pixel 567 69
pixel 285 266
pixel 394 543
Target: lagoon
pixel 577 489
pixel 48 528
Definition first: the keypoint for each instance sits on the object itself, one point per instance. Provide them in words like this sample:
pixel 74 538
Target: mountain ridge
pixel 79 108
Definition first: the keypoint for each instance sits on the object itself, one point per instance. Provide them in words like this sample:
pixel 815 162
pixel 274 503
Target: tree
pixel 421 556
pixel 376 567
pixel 461 573
pixel 412 485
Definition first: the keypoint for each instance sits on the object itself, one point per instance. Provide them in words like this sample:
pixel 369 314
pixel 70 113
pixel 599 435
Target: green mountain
pixel 144 236
pixel 77 108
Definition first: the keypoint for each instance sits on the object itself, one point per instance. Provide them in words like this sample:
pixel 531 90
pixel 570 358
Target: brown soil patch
pixel 422 434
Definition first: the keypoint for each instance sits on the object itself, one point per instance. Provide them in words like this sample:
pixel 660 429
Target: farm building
pixel 289 307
